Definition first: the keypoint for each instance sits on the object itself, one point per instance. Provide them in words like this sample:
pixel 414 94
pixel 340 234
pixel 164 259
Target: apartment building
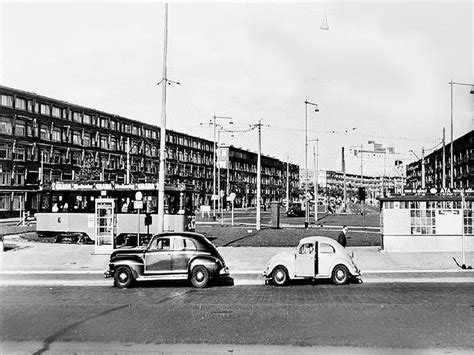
pixel 43 140
pixel 463 166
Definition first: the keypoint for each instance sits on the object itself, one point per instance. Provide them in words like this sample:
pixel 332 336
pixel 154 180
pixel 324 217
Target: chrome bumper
pixel 224 271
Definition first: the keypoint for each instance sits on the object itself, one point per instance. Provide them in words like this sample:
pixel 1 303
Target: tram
pixel 69 209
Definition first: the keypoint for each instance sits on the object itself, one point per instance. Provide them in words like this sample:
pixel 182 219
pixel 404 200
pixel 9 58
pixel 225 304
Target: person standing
pixel 342 237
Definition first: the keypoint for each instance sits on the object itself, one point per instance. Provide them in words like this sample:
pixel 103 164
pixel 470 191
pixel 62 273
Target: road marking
pixel 109 283
pixel 414 271
pixel 52 272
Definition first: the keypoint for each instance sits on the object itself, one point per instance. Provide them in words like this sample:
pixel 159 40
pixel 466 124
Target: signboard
pixel 222 157
pixel 138 205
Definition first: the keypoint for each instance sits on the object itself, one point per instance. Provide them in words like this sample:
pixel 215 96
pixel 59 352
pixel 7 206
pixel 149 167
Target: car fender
pixel 290 267
pixel 135 264
pixel 349 266
pixel 209 262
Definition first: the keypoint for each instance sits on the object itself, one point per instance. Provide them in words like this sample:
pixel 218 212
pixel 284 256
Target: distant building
pixel 376 160
pixel 331 183
pixel 463 166
pixel 43 140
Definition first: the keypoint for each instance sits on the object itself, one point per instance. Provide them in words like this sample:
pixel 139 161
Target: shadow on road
pixel 53 337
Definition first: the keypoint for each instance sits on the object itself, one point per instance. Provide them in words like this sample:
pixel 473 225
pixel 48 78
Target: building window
pixel 56 136
pixel 423 221
pixel 468 218
pixel 20 129
pixel 44 133
pixel 86 140
pixel 30 106
pixel 113 125
pixel 45 110
pixel 4 198
pixel 103 142
pixel 76 158
pixel 19 153
pixel 56 112
pixel 76 138
pixel 76 116
pixel 127 128
pixel 7 100
pixel 113 143
pixel 4 151
pixel 20 104
pixel 6 177
pixel 18 179
pixel 87 119
pixel 104 122
pixel 6 125
pixel 56 158
pixel 135 130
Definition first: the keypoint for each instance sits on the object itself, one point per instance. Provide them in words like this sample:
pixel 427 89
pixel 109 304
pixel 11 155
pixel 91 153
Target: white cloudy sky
pixel 382 68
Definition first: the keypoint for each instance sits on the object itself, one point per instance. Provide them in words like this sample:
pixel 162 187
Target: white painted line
pixel 401 271
pixel 245 272
pixel 52 272
pixel 420 280
pixel 249 282
pixel 75 283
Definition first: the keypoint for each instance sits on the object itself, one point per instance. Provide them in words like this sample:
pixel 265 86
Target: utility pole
pixel 306 220
pixel 259 176
pixel 127 180
pixel 443 184
pixel 287 183
pixel 344 173
pixel 423 182
pixel 161 176
pixel 316 178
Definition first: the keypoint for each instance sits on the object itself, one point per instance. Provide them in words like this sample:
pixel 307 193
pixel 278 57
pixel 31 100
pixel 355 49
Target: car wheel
pixel 280 276
pixel 340 275
pixel 123 277
pixel 199 277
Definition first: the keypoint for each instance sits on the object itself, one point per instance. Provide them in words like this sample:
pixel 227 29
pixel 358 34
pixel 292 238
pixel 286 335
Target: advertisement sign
pixel 223 157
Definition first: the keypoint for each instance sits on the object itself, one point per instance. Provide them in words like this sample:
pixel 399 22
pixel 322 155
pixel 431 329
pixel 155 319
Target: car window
pixel 326 248
pixel 189 244
pixel 163 244
pixel 306 248
pixel 178 243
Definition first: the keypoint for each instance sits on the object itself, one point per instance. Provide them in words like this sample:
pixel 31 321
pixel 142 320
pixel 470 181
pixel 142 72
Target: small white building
pixel 428 222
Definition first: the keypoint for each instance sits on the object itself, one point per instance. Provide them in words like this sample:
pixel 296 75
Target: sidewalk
pixel 244 262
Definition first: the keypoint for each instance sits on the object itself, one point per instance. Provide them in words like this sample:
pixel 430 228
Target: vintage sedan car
pixel 314 258
pixel 168 256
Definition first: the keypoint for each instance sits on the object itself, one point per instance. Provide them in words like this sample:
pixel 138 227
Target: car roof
pixel 317 239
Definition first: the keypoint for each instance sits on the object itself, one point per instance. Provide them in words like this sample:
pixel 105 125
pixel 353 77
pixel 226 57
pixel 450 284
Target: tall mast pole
pixel 161 179
pixel 259 176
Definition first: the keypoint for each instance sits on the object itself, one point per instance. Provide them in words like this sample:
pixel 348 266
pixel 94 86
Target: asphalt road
pixel 400 316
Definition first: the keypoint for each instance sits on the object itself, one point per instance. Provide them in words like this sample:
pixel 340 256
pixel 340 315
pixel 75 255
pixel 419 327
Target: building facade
pixel 43 140
pixel 463 167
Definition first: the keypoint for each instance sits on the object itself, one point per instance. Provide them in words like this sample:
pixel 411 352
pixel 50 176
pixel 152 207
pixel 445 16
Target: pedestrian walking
pixel 342 237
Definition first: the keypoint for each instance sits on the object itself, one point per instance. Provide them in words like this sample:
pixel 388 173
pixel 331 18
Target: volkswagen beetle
pixel 168 256
pixel 314 258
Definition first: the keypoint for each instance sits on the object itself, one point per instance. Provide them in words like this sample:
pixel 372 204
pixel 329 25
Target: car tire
pixel 199 276
pixel 280 276
pixel 123 277
pixel 340 275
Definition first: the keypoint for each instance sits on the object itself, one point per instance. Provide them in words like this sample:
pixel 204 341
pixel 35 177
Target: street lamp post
pixel 451 173
pixel 214 125
pixel 306 220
